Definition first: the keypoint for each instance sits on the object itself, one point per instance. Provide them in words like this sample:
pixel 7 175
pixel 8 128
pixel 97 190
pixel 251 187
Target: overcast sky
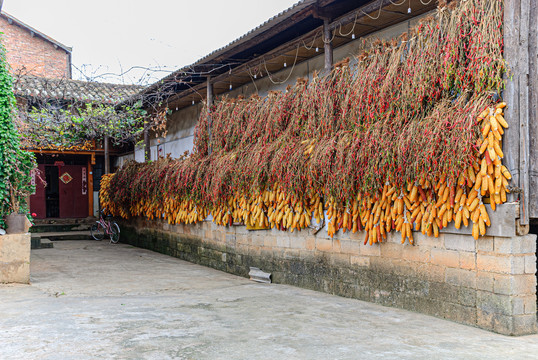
pixel 109 36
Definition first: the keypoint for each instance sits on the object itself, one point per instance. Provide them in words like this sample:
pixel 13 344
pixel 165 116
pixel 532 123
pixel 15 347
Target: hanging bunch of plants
pixel 408 137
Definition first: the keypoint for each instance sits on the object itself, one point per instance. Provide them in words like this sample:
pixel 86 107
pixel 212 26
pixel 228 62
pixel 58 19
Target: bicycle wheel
pixel 114 233
pixel 97 231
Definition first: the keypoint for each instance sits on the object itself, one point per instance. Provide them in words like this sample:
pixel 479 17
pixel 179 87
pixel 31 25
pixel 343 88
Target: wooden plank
pixel 502 222
pixel 512 10
pixel 533 112
pixel 523 67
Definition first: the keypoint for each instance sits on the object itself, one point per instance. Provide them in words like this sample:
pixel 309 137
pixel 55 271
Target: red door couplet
pixel 37 200
pixel 73 191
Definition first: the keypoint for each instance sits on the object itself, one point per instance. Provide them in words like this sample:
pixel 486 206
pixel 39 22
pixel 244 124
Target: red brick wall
pixel 33 55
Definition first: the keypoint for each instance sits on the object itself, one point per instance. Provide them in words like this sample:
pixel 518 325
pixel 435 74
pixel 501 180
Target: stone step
pixel 47 228
pixel 46 243
pixel 41 243
pixel 67 235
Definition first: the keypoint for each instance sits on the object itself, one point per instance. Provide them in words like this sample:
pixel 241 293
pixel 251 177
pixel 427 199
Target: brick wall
pixel 489 283
pixel 33 55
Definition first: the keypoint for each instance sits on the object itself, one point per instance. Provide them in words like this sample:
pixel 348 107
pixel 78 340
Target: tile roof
pixel 72 90
pixel 285 15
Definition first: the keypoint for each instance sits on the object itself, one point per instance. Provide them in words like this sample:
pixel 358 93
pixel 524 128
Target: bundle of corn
pixel 398 141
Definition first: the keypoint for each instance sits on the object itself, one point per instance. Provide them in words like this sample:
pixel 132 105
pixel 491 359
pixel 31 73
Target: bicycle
pixel 105 227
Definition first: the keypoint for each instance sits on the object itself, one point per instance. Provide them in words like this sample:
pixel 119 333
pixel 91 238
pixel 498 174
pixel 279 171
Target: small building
pixel 30 52
pixel 73 174
pixel 41 68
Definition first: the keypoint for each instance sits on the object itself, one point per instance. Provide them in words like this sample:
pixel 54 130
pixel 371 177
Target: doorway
pixel 52 192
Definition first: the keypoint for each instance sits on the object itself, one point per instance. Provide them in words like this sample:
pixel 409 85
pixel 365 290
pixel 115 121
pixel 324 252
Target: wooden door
pixel 73 191
pixel 38 200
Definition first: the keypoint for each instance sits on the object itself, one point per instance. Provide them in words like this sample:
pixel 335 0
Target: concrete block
pixel 391 250
pixel 337 245
pixel 459 242
pixel 430 272
pixel 494 303
pixel 528 244
pixel 339 259
pixel 425 241
pixel 324 244
pixel 530 264
pixel 269 241
pixel 529 304
pixel 350 247
pixel 283 242
pixel 467 260
pixel 370 250
pixel 524 325
pixel 503 264
pixel 362 261
pixel 310 243
pixel 484 244
pixel 514 284
pixel 460 277
pixel 448 258
pixel 413 253
pixel 297 242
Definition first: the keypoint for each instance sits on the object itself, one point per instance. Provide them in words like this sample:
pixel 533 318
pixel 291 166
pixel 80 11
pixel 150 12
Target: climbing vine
pixel 15 164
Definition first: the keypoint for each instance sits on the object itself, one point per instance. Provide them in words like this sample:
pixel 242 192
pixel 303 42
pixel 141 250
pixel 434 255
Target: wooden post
pixel 209 104
pixel 533 111
pixel 107 155
pixel 516 94
pixel 327 40
pixel 524 113
pixel 147 144
pixel 90 187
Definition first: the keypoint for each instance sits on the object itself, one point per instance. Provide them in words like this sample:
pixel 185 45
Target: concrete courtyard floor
pixel 91 300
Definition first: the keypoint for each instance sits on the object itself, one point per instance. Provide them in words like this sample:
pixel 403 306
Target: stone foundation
pixel 489 283
pixel 15 258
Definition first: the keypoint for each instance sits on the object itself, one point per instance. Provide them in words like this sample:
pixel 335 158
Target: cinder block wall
pixel 32 55
pixel 489 283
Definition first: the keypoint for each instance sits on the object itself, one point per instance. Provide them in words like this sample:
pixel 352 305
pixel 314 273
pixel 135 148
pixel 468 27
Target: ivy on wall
pixel 15 164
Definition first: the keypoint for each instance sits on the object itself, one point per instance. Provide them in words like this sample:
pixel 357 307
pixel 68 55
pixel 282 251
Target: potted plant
pixel 19 187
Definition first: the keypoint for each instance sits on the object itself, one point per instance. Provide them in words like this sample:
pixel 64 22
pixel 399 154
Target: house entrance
pixel 66 194
pixel 52 192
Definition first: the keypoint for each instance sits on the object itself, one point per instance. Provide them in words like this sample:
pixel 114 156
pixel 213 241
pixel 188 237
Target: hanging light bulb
pixel 230 86
pixel 317 49
pixel 255 76
pixel 409 10
pixel 176 108
pixel 353 36
pixel 193 102
pixel 285 65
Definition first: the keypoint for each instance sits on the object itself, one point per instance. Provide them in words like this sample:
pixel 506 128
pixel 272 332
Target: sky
pixel 109 37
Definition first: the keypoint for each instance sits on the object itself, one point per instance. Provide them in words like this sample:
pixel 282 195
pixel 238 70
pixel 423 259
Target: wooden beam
pixel 209 99
pixel 328 46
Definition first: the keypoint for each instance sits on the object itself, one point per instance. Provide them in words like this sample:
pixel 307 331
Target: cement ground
pixel 94 300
